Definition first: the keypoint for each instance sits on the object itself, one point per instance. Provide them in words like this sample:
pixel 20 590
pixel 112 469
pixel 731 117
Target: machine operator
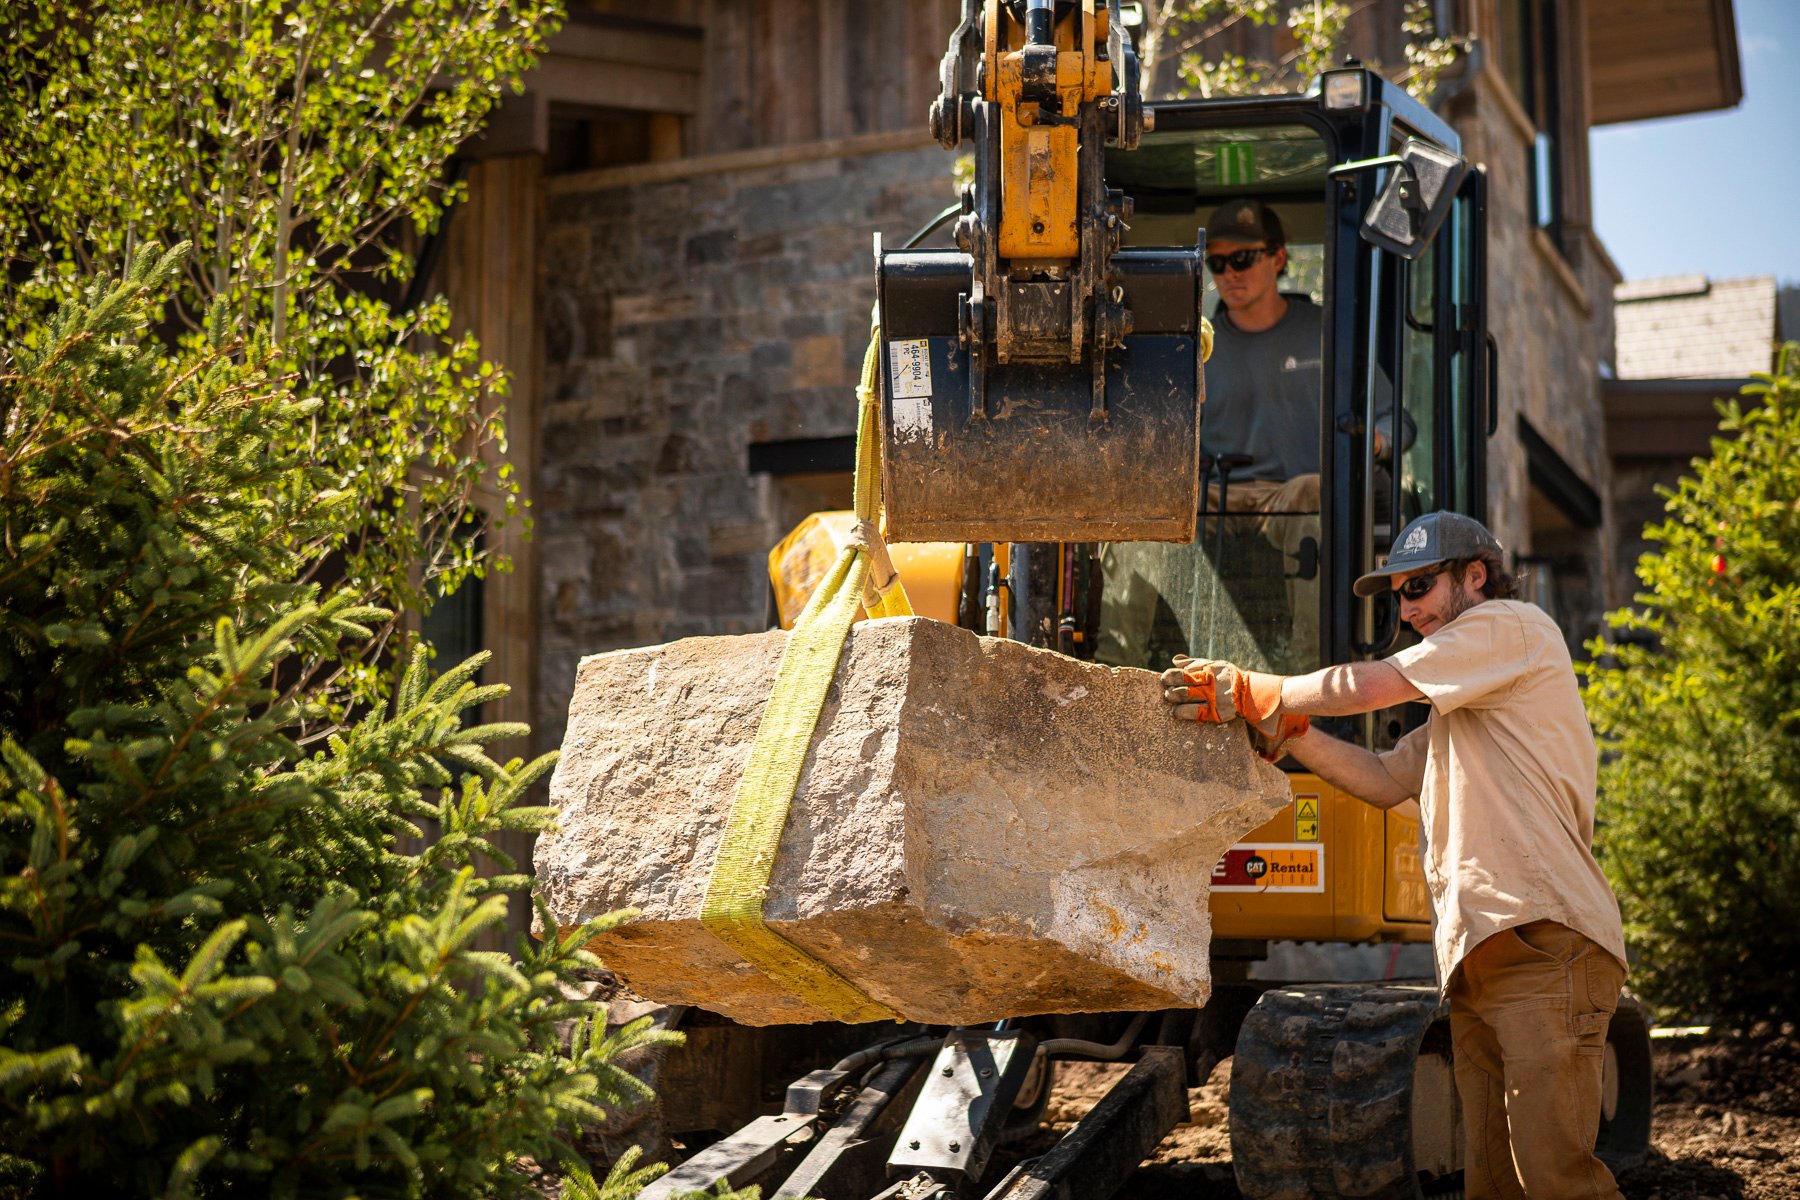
pixel 1528 942
pixel 1263 387
pixel 1262 381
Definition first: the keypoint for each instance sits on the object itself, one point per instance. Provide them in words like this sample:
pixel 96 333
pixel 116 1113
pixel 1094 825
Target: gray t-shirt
pixel 1262 394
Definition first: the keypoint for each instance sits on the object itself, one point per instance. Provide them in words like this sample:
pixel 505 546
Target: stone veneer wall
pixel 689 313
pixel 1551 314
pixel 1636 505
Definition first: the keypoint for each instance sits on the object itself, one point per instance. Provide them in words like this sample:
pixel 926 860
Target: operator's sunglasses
pixel 1237 260
pixel 1419 586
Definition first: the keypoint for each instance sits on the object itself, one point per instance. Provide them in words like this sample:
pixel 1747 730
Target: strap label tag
pixel 909 379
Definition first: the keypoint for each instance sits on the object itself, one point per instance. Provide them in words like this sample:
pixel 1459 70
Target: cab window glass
pixel 1247 587
pixel 1468 359
pixel 1418 482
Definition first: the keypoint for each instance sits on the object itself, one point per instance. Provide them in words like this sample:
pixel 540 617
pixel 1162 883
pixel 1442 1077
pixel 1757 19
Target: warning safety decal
pixel 1306 818
pixel 1269 867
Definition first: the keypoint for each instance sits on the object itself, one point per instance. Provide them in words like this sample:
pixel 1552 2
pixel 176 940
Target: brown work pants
pixel 1529 1009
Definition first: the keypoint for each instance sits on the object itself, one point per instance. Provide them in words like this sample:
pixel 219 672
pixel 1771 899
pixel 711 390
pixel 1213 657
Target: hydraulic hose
pixel 911 1048
pixel 1096 1049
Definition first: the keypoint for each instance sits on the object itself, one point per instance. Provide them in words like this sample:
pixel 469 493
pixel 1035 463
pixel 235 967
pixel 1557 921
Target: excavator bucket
pixel 1041 384
pixel 1040 451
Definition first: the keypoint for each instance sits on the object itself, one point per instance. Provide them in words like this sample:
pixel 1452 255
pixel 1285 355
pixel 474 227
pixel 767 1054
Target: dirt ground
pixel 1726 1126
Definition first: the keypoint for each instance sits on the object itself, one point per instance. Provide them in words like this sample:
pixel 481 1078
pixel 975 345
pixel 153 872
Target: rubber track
pixel 1321 1087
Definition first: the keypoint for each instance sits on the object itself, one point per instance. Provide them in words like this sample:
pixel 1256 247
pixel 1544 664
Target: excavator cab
pixel 1366 407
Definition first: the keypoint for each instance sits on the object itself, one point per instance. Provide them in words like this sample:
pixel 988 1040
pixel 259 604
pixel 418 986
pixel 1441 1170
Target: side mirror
pixel 1413 204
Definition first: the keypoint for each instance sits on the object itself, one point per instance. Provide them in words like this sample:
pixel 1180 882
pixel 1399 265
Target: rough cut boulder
pixel 982 829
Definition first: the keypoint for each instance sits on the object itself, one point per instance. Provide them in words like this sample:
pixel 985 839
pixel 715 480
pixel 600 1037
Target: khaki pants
pixel 1299 494
pixel 1529 1009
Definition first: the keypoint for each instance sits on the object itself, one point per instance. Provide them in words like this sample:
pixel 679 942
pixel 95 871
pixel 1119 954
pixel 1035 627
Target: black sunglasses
pixel 1419 586
pixel 1237 260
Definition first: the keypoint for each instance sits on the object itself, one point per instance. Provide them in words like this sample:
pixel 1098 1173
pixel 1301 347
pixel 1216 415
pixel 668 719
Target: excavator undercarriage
pixel 1337 1090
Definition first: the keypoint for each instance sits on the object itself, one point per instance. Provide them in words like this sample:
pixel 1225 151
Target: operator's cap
pixel 1427 541
pixel 1245 221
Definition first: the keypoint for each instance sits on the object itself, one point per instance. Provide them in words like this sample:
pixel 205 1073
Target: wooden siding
pixel 784 71
pixel 779 72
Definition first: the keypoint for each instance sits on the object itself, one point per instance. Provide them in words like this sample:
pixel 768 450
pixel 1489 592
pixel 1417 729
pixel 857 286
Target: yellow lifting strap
pixel 862 576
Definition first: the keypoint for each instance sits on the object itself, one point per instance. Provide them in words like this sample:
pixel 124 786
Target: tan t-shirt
pixel 1504 769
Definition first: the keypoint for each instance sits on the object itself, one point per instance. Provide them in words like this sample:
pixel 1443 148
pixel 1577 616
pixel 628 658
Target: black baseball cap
pixel 1426 541
pixel 1245 221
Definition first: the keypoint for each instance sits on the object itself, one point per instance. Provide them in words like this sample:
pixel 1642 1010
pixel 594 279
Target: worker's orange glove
pixel 1272 735
pixel 1215 691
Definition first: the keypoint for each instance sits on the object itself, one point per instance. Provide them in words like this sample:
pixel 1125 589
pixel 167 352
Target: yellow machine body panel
pixel 1325 868
pixel 1407 896
pixel 930 571
pixel 1033 159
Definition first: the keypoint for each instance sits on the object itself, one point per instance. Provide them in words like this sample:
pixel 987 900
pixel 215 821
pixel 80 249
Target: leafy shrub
pixel 305 148
pixel 222 970
pixel 1698 711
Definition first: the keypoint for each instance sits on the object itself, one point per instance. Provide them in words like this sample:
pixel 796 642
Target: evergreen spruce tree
pixel 1698 712
pixel 223 971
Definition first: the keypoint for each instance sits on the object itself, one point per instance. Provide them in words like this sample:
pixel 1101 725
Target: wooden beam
pixel 638 174
pixel 797 70
pixel 675 50
pixel 726 119
pixel 765 87
pixel 1653 58
pixel 642 88
pixel 888 25
pixel 491 280
pixel 834 72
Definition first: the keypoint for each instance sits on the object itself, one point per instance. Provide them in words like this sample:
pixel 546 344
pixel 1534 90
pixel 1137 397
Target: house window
pixel 811 475
pixel 1531 64
pixel 454 626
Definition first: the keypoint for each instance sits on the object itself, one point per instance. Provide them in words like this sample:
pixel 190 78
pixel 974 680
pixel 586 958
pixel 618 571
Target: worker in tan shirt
pixel 1528 943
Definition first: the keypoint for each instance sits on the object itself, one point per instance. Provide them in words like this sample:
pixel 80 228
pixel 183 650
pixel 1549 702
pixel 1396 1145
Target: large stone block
pixel 982 829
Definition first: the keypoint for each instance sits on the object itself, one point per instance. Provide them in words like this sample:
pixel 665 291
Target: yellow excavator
pixel 1049 477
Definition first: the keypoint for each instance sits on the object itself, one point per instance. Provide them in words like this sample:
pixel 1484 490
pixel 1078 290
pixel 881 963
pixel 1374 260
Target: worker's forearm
pixel 1348 767
pixel 1346 690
